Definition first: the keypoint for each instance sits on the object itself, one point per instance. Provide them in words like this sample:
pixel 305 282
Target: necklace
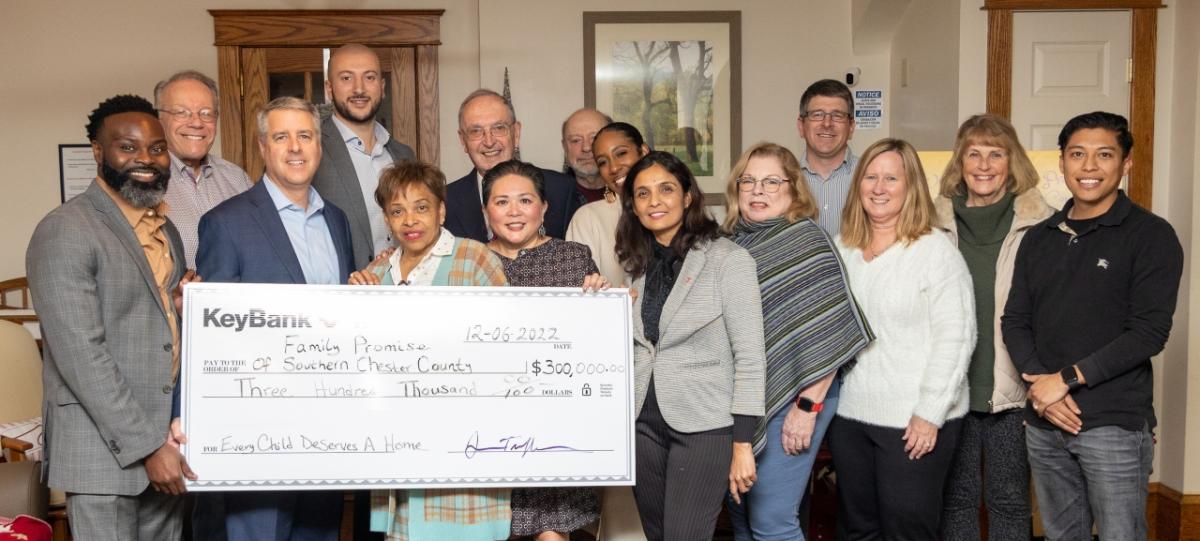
pixel 876 253
pixel 499 248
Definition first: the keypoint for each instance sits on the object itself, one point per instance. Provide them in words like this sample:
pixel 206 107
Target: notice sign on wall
pixel 868 109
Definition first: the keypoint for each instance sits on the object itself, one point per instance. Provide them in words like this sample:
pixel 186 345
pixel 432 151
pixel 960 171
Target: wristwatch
pixel 1071 378
pixel 806 404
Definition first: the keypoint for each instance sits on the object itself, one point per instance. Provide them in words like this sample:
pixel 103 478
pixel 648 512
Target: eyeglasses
pixel 769 184
pixel 839 117
pixel 475 133
pixel 207 116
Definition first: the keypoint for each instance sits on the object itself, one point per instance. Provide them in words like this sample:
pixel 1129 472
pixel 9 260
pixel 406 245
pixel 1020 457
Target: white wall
pixel 62 57
pixel 924 100
pixel 1190 327
pixel 972 59
pixel 1177 141
pixel 786 45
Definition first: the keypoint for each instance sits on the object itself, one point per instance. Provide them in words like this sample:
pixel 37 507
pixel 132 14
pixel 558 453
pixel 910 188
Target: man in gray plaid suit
pixel 102 269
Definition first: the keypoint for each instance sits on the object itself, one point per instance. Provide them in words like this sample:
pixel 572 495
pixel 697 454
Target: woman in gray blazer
pixel 698 351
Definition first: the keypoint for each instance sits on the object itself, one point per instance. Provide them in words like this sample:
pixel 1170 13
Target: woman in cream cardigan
pixel 902 403
pixel 989 199
pixel 616 148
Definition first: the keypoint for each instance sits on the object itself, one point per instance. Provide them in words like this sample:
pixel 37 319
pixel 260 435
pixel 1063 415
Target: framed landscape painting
pixel 676 75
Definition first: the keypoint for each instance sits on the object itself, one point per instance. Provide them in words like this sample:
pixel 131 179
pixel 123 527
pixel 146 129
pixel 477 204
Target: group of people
pixel 942 345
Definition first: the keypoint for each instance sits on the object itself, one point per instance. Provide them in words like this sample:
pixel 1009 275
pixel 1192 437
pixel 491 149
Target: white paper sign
pixel 868 109
pixel 76 170
pixel 320 387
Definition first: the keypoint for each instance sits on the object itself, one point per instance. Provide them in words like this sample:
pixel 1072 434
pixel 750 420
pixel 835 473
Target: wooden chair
pixel 16 285
pixel 20 374
pixel 13 449
pixel 20 400
pixel 21 490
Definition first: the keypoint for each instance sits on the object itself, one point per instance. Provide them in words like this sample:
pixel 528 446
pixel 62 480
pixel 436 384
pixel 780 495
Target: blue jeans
pixel 1099 475
pixel 770 511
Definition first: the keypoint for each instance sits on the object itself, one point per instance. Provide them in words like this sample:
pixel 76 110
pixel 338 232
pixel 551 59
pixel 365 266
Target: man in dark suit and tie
pixel 357 148
pixel 490 134
pixel 280 231
pixel 102 269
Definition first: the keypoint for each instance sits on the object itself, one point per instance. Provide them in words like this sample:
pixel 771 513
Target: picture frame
pixel 76 169
pixel 676 75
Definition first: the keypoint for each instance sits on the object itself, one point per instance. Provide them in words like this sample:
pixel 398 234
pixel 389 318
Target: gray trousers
pixel 681 478
pixel 991 463
pixel 148 516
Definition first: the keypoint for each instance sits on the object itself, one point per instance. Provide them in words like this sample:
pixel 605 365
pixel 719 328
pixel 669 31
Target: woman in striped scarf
pixel 811 324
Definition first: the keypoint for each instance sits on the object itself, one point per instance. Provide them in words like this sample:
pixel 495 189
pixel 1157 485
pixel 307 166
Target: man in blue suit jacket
pixel 490 134
pixel 280 231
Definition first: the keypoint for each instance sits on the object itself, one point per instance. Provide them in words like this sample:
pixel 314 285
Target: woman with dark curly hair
pixel 698 351
pixel 616 148
pixel 412 196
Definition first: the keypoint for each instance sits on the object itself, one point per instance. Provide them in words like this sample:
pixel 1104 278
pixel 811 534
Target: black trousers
pixel 882 495
pixel 681 478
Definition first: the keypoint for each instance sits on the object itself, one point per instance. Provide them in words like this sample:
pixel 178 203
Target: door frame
pixel 243 34
pixel 1143 49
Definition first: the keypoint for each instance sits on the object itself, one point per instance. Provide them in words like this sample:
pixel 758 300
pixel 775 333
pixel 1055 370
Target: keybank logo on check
pixel 256 318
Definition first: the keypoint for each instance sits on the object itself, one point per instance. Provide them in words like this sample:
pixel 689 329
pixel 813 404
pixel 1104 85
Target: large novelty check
pixel 318 387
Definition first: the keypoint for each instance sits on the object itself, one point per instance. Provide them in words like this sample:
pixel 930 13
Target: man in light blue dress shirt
pixel 247 239
pixel 357 148
pixel 309 234
pixel 827 123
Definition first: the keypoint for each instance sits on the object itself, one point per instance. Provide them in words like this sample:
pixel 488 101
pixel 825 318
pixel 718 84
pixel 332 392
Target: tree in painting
pixel 665 88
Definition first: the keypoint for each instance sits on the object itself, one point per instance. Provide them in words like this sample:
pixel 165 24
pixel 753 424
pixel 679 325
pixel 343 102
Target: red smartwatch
pixel 806 404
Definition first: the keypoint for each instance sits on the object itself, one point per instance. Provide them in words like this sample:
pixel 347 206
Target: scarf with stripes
pixel 811 322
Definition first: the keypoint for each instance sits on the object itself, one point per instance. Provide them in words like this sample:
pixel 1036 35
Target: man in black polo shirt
pixel 1092 298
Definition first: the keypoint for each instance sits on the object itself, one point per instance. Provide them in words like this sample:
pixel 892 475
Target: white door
pixel 1066 63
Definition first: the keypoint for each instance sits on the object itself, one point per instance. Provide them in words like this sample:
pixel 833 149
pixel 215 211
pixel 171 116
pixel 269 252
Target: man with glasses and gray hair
pixel 187 108
pixel 826 123
pixel 490 133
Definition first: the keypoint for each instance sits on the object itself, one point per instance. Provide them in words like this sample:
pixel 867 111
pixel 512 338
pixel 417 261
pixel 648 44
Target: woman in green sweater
pixel 989 199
